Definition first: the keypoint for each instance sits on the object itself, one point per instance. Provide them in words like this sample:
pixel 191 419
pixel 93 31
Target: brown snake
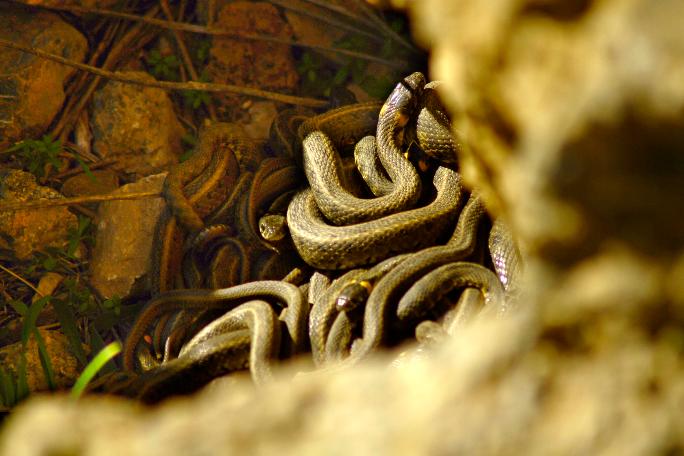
pixel 392 229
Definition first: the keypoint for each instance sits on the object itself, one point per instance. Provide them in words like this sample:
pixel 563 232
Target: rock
pixel 261 115
pixel 136 126
pixel 32 88
pixel 64 363
pixel 101 182
pixel 567 113
pixel 546 404
pixel 311 30
pixel 571 112
pixel 102 4
pixel 251 63
pixel 31 230
pixel 47 284
pixel 123 245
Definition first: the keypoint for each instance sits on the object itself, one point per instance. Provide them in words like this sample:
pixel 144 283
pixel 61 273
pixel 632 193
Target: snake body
pixel 422 295
pixel 369 166
pixel 433 128
pixel 345 125
pixel 389 288
pixel 262 322
pixel 505 255
pixel 388 224
pixel 468 305
pixel 224 298
pixel 215 152
pixel 323 171
pixel 327 246
pixel 323 313
pixel 226 353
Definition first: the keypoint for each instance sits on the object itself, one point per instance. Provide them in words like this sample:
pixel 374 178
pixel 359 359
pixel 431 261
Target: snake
pixel 422 295
pixel 339 338
pixel 344 125
pixel 192 190
pixel 468 305
pixel 390 287
pixel 274 177
pixel 323 313
pixel 215 152
pixel 433 127
pixel 356 292
pixel 257 316
pixel 387 224
pixel 505 255
pixel 221 355
pixel 369 166
pixel 206 299
pixel 378 235
pixel 327 246
pixel 323 168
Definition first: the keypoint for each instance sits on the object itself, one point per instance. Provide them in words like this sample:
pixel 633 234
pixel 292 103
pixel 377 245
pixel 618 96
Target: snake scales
pixel 394 237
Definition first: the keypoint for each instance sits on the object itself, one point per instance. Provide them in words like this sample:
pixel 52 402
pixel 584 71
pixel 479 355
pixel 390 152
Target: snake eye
pixel 343 303
pixel 353 295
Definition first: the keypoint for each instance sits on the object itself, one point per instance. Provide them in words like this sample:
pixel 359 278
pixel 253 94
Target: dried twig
pixel 324 18
pixel 168 85
pixel 185 54
pixel 131 40
pixel 21 279
pixel 342 11
pixel 370 13
pixel 200 29
pixel 54 202
pixel 93 166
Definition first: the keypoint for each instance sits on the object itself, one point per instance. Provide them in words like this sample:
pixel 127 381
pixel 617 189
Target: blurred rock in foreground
pixel 572 112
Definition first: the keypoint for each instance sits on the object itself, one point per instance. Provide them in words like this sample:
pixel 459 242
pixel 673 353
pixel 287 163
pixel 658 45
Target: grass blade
pixel 97 344
pixel 18 306
pixel 7 389
pixel 22 381
pixel 94 367
pixel 67 321
pixel 31 317
pixel 45 360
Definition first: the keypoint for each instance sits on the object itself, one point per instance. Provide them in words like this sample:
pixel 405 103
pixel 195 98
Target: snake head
pixel 353 295
pixel 403 101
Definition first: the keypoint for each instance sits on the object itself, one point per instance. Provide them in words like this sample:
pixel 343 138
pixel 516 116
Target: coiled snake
pixel 406 235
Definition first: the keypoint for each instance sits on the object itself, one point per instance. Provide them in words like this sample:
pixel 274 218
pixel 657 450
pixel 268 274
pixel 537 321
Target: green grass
pixel 93 367
pixel 36 154
pixel 82 316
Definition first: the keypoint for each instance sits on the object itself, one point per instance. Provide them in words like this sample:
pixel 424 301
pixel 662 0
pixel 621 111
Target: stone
pixel 64 364
pixel 251 63
pixel 122 254
pixel 571 115
pixel 261 116
pixel 101 182
pixel 28 231
pixel 32 88
pixel 102 4
pixel 570 106
pixel 136 126
pixel 47 284
pixel 311 30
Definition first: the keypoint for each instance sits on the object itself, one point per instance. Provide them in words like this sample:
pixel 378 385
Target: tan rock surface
pixel 31 88
pixel 572 117
pixel 101 182
pixel 250 63
pixel 124 241
pixel 137 126
pixel 64 363
pixel 30 230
